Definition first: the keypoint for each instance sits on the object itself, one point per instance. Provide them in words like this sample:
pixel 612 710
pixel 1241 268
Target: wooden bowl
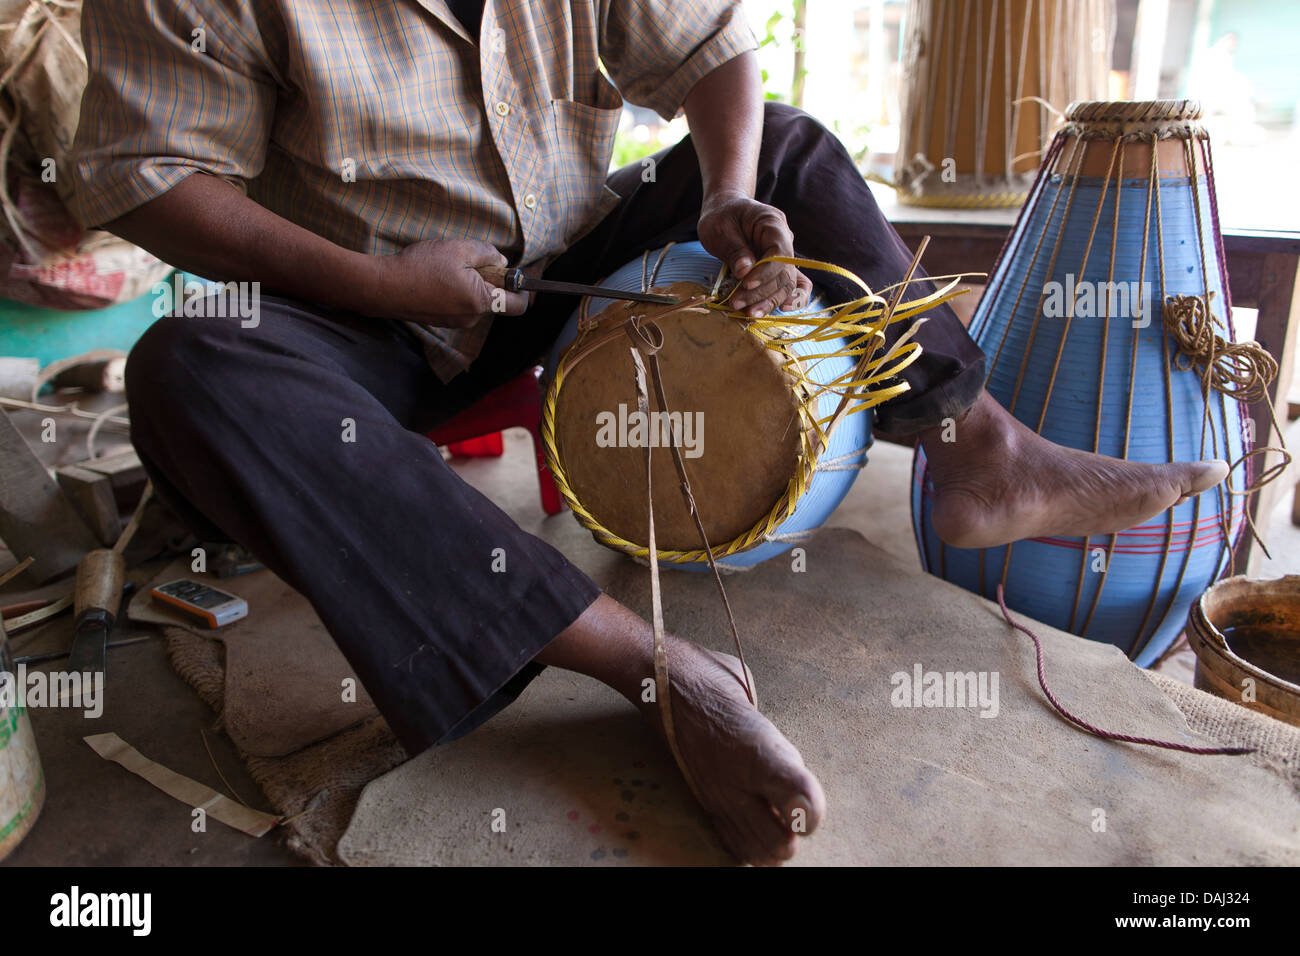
pixel 1246 636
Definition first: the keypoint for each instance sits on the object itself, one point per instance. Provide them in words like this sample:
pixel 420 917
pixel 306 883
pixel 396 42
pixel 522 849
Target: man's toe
pixel 798 800
pixel 771 843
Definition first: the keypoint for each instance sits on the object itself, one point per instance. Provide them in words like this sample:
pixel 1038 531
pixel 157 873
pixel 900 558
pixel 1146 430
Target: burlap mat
pixel 275 681
pixel 576 777
pixel 283 674
pixel 1277 744
pixel 317 788
pixel 569 776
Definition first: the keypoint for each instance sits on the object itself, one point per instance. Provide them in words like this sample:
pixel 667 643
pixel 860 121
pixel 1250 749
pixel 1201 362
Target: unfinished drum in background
pixel 981 79
pixel 746 398
pixel 1107 324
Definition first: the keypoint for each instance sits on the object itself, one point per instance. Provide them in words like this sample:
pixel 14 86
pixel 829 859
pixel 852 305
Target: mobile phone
pixel 216 608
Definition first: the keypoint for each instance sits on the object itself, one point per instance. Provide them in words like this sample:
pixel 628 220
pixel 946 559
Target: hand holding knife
pixel 516 280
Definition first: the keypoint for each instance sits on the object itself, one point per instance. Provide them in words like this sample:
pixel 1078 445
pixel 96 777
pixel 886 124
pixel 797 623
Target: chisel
pixel 514 280
pixel 99 591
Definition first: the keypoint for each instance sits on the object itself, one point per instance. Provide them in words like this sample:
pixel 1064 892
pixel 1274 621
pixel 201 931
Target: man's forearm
pixel 206 226
pixel 725 114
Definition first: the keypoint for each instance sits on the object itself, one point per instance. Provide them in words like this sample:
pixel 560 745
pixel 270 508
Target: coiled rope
pixel 1240 370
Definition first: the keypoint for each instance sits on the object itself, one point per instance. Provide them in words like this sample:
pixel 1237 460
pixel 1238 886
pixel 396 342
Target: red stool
pixel 476 432
pixel 487 446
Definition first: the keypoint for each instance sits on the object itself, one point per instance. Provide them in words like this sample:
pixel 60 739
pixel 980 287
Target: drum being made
pixel 752 405
pixel 981 82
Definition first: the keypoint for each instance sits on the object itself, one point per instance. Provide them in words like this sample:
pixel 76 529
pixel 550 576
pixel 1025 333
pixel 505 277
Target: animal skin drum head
pixel 735 408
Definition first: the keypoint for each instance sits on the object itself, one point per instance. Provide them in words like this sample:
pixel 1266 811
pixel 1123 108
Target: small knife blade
pixel 514 280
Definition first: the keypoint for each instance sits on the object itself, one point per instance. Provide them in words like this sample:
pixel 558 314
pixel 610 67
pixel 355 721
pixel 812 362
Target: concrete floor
pixel 96 813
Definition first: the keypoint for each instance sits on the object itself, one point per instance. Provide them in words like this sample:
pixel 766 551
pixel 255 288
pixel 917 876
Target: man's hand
pixel 434 283
pixel 725 113
pixel 740 231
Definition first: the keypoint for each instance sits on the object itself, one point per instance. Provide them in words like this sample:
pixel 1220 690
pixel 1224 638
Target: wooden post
pixel 1276 330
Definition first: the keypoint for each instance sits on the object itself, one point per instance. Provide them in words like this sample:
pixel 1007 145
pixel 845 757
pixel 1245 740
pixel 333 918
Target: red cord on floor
pixel 1042 682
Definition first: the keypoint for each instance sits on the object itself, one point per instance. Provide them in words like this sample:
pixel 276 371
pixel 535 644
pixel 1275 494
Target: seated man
pixel 359 158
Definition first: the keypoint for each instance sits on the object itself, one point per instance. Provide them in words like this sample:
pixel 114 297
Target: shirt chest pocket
pixel 579 144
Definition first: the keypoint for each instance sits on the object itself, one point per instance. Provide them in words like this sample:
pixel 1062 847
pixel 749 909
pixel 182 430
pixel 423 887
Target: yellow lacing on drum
pixel 862 322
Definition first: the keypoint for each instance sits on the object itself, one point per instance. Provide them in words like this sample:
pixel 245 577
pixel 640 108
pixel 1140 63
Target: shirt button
pixel 502 108
pixel 530 201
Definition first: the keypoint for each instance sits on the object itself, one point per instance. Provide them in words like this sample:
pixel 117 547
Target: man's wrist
pixel 720 195
pixel 362 285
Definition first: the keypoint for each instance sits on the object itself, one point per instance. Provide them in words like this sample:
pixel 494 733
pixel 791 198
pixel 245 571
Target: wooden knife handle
pixel 100 576
pixel 500 276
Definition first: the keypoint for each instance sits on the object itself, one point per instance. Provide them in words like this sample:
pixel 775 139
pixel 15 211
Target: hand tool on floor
pixel 514 280
pixel 99 592
pixel 59 655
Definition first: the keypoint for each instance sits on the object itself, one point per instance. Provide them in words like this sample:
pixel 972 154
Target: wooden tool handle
pixel 493 275
pixel 100 576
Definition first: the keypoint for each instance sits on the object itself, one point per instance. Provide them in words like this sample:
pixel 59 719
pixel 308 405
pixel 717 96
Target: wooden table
pixel 1263 274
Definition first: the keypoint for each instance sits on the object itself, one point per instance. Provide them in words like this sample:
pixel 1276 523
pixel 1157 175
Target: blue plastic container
pixel 48 335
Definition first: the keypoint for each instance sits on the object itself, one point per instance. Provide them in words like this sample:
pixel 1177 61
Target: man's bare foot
pixel 1000 482
pixel 748 777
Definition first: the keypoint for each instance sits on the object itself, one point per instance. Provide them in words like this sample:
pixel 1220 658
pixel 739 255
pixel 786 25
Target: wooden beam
pixel 92 495
pixel 969 246
pixel 36 518
pixel 124 472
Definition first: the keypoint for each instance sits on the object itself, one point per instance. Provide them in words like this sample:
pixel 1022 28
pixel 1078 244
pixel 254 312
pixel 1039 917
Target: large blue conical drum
pixel 1072 325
